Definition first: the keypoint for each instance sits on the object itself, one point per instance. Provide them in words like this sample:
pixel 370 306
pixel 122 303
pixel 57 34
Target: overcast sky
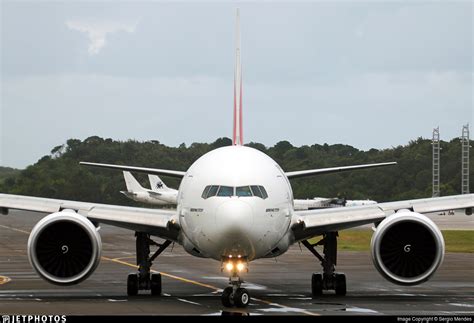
pixel 368 74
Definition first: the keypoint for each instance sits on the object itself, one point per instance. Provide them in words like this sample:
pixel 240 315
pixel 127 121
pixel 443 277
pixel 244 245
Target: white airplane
pixel 160 194
pixel 235 205
pixel 324 202
pixel 359 202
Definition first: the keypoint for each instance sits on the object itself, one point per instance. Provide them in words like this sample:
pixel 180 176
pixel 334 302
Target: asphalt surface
pixel 192 285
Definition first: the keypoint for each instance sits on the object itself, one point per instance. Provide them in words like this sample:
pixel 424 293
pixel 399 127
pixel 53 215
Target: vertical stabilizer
pixel 156 183
pixel 132 183
pixel 238 135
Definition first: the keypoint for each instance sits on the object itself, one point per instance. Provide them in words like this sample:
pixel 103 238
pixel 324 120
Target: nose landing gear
pixel 235 295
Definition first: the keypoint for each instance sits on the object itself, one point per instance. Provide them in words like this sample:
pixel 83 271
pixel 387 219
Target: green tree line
pixel 58 175
pixel 6 172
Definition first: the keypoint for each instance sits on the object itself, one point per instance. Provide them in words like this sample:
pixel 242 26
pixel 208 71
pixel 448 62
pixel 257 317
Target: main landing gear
pixel 143 279
pixel 329 279
pixel 235 295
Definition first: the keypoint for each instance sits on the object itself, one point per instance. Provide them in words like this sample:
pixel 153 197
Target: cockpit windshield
pixel 239 191
pixel 243 191
pixel 225 191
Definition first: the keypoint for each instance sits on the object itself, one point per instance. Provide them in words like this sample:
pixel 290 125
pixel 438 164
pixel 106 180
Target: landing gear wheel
pixel 155 284
pixel 317 284
pixel 226 297
pixel 132 285
pixel 340 284
pixel 241 297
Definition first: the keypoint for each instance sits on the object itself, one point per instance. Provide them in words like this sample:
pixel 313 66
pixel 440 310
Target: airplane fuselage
pixel 151 197
pixel 235 201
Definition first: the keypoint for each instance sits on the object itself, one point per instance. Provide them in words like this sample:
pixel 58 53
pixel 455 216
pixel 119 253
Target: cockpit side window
pixel 264 192
pixel 225 191
pixel 211 191
pixel 243 191
pixel 256 191
pixel 206 191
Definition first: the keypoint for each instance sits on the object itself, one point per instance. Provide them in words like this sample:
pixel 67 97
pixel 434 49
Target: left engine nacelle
pixel 64 248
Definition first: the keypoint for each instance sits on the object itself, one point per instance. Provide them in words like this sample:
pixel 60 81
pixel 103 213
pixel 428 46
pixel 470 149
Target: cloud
pixel 97 32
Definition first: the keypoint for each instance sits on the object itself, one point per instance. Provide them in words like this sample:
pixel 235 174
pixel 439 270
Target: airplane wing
pixel 153 171
pixel 321 171
pixel 162 223
pixel 307 224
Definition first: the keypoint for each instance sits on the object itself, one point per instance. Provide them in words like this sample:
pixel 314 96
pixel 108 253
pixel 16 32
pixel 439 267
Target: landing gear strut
pixel 329 279
pixel 143 279
pixel 235 295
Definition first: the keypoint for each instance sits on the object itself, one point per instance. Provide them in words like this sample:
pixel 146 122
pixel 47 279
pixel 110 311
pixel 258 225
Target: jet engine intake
pixel 64 248
pixel 407 248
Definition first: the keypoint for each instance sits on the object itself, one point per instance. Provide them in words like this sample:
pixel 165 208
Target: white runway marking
pixel 252 286
pixel 186 301
pixel 461 305
pixel 360 310
pixel 410 295
pixel 282 310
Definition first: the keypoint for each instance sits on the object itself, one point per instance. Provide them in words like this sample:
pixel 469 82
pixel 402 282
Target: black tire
pixel 340 285
pixel 241 297
pixel 155 284
pixel 226 297
pixel 317 285
pixel 132 285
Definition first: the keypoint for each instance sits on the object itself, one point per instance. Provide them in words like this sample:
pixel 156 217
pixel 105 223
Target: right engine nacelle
pixel 407 248
pixel 64 248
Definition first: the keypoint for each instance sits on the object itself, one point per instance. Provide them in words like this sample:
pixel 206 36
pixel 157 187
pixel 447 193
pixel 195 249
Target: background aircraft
pixel 160 194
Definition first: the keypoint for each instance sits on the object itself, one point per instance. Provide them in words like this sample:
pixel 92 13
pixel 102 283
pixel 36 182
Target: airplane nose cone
pixel 234 215
pixel 234 221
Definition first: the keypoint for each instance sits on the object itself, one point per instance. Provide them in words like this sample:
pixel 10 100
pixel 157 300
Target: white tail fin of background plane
pixel 132 183
pixel 156 183
pixel 238 133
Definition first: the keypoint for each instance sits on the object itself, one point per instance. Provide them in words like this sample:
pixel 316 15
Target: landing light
pixel 234 264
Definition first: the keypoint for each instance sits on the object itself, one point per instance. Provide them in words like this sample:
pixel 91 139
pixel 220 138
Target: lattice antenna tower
pixel 465 160
pixel 436 162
